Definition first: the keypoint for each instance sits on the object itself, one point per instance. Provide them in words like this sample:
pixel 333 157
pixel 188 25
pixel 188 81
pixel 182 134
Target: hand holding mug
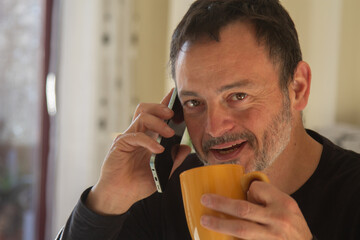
pixel 226 180
pixel 262 212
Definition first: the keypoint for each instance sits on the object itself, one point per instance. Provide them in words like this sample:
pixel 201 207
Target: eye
pixel 192 103
pixel 238 96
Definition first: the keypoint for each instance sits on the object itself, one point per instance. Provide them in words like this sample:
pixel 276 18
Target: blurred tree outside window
pixel 21 72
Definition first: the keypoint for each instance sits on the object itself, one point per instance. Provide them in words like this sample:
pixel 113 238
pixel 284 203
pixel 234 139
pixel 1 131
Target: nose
pixel 219 121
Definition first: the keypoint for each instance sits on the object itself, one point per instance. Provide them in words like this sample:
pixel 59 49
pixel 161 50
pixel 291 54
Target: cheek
pixel 249 119
pixel 195 129
pixel 254 120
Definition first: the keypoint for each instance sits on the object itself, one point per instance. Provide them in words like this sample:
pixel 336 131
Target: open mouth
pixel 226 153
pixel 229 149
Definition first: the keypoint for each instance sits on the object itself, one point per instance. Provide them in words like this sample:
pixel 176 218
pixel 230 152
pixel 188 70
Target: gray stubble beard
pixel 276 138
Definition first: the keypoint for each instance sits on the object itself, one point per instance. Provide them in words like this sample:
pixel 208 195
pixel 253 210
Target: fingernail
pixel 170 131
pixel 161 148
pixel 167 110
pixel 205 221
pixel 205 200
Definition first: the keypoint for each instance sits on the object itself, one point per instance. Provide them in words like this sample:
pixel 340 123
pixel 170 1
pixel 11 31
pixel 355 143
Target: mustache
pixel 244 136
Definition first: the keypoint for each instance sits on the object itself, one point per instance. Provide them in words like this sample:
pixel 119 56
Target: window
pixel 21 101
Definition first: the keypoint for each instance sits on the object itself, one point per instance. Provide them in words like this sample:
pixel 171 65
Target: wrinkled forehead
pixel 236 39
pixel 205 38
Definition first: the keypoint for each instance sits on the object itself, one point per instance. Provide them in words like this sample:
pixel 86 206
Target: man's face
pixel 233 106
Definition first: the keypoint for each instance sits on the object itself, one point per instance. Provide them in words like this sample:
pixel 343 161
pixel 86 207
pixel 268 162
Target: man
pixel 241 80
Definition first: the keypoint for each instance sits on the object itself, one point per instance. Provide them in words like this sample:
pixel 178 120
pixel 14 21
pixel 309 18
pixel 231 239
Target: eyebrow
pixel 188 94
pixel 237 84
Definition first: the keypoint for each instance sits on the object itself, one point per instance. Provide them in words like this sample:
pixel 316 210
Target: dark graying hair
pixel 272 23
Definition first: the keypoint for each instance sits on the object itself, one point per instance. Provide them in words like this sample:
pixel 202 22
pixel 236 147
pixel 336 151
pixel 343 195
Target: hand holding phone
pixel 161 164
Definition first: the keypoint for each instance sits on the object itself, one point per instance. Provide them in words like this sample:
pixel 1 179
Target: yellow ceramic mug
pixel 227 180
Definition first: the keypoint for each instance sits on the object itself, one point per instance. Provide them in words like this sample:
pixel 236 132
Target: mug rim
pixel 189 171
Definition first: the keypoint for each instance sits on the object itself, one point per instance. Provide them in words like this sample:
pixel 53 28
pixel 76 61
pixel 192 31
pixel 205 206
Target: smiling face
pixel 233 106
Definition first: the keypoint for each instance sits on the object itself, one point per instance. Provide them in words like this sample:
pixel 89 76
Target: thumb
pixel 182 152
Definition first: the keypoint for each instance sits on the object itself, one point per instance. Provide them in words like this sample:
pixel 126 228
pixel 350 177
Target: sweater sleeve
pixel 86 224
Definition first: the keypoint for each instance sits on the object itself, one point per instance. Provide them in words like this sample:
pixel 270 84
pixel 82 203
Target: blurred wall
pixel 76 167
pixel 318 24
pixel 177 9
pixel 348 94
pixel 329 37
pixel 151 64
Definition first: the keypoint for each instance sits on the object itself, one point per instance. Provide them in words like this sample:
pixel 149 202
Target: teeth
pixel 227 151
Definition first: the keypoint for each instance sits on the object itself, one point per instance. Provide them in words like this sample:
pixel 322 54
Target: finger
pixel 234 207
pixel 147 122
pixel 258 191
pixel 235 227
pixel 158 110
pixel 282 208
pixel 266 195
pixel 165 101
pixel 182 153
pixel 129 142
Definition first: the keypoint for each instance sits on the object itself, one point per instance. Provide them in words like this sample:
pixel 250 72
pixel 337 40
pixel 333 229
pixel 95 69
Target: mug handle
pixel 248 178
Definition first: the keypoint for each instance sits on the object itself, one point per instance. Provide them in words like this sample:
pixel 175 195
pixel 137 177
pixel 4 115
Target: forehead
pixel 238 52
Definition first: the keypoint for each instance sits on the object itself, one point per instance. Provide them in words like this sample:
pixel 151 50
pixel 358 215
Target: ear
pixel 300 86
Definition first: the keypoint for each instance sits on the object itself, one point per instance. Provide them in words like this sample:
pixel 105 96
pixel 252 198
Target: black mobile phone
pixel 161 164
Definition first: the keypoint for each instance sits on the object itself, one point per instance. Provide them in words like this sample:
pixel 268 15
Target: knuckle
pixel 140 108
pixel 118 140
pixel 126 136
pixel 240 230
pixel 118 137
pixel 141 115
pixel 278 235
pixel 290 204
pixel 283 222
pixel 242 209
pixel 254 187
pixel 134 135
pixel 141 118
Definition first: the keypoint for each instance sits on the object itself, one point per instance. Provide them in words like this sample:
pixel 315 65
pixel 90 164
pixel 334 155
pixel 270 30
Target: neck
pixel 297 162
